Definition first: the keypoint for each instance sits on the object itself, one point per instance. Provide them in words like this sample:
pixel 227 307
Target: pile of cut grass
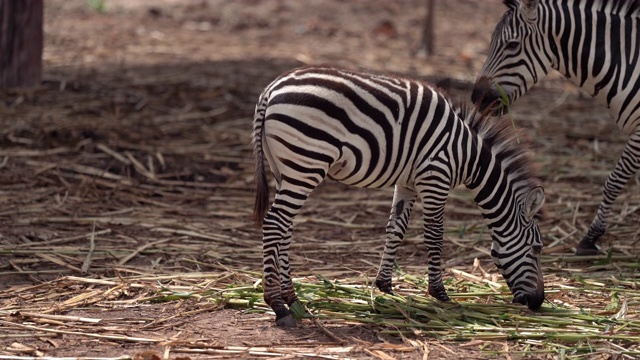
pixel 480 310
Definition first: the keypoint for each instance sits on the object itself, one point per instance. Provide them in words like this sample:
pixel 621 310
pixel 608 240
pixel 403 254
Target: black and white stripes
pixel 377 131
pixel 594 43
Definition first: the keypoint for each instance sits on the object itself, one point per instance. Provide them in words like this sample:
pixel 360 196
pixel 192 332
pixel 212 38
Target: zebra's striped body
pixel 594 43
pixel 378 131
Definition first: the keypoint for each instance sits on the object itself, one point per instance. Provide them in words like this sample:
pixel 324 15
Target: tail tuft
pixel 261 185
pixel 262 193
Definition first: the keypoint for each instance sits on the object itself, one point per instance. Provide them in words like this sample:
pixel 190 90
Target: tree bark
pixel 428 36
pixel 21 42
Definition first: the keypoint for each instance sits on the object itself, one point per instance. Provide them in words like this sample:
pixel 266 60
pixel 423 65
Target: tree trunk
pixel 21 41
pixel 428 41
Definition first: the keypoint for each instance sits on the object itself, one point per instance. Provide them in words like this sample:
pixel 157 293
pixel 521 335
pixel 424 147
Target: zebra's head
pixel 516 250
pixel 516 59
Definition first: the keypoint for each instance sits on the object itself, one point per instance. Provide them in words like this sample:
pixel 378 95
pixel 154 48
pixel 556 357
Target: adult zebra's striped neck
pixel 566 27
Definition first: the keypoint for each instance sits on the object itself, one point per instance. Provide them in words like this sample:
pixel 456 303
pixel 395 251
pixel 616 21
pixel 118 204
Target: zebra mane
pixel 623 7
pixel 498 134
pixel 511 4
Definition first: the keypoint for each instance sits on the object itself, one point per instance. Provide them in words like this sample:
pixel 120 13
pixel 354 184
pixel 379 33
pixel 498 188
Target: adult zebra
pixel 594 43
pixel 377 131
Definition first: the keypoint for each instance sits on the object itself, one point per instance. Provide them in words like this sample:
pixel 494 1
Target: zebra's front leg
pixel 403 199
pixel 433 234
pixel 433 228
pixel 627 166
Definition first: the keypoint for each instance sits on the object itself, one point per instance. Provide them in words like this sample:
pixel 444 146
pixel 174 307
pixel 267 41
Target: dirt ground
pixel 132 162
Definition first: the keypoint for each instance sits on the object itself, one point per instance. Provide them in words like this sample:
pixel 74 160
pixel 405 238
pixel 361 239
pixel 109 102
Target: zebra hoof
pixel 439 293
pixel 287 322
pixel 533 302
pixel 384 286
pixel 586 248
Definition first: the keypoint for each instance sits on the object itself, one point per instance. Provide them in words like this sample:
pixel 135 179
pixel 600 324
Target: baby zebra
pixel 377 131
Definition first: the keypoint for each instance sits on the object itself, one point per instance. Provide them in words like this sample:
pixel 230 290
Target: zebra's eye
pixel 512 45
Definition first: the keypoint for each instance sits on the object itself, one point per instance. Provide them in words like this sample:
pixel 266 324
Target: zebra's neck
pixel 486 178
pixel 593 36
pixel 498 167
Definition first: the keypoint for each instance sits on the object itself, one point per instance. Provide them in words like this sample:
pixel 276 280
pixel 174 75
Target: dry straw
pixel 134 191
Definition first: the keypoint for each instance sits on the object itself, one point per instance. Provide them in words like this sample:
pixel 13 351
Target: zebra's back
pixel 368 127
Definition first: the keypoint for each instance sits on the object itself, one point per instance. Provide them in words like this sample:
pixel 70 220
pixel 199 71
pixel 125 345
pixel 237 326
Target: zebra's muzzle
pixel 487 99
pixel 532 301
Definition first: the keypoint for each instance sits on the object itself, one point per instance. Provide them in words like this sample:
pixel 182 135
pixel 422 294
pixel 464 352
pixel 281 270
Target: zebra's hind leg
pixel 286 285
pixel 403 199
pixel 277 229
pixel 273 229
pixel 627 166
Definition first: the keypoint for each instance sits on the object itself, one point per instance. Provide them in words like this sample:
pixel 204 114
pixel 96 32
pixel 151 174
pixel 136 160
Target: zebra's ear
pixel 533 202
pixel 529 8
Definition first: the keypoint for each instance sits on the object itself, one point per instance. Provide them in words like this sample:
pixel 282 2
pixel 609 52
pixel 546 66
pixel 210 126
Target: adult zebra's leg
pixel 277 229
pixel 627 166
pixel 403 199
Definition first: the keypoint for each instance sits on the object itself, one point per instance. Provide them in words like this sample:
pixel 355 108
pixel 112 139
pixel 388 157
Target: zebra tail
pixel 261 185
